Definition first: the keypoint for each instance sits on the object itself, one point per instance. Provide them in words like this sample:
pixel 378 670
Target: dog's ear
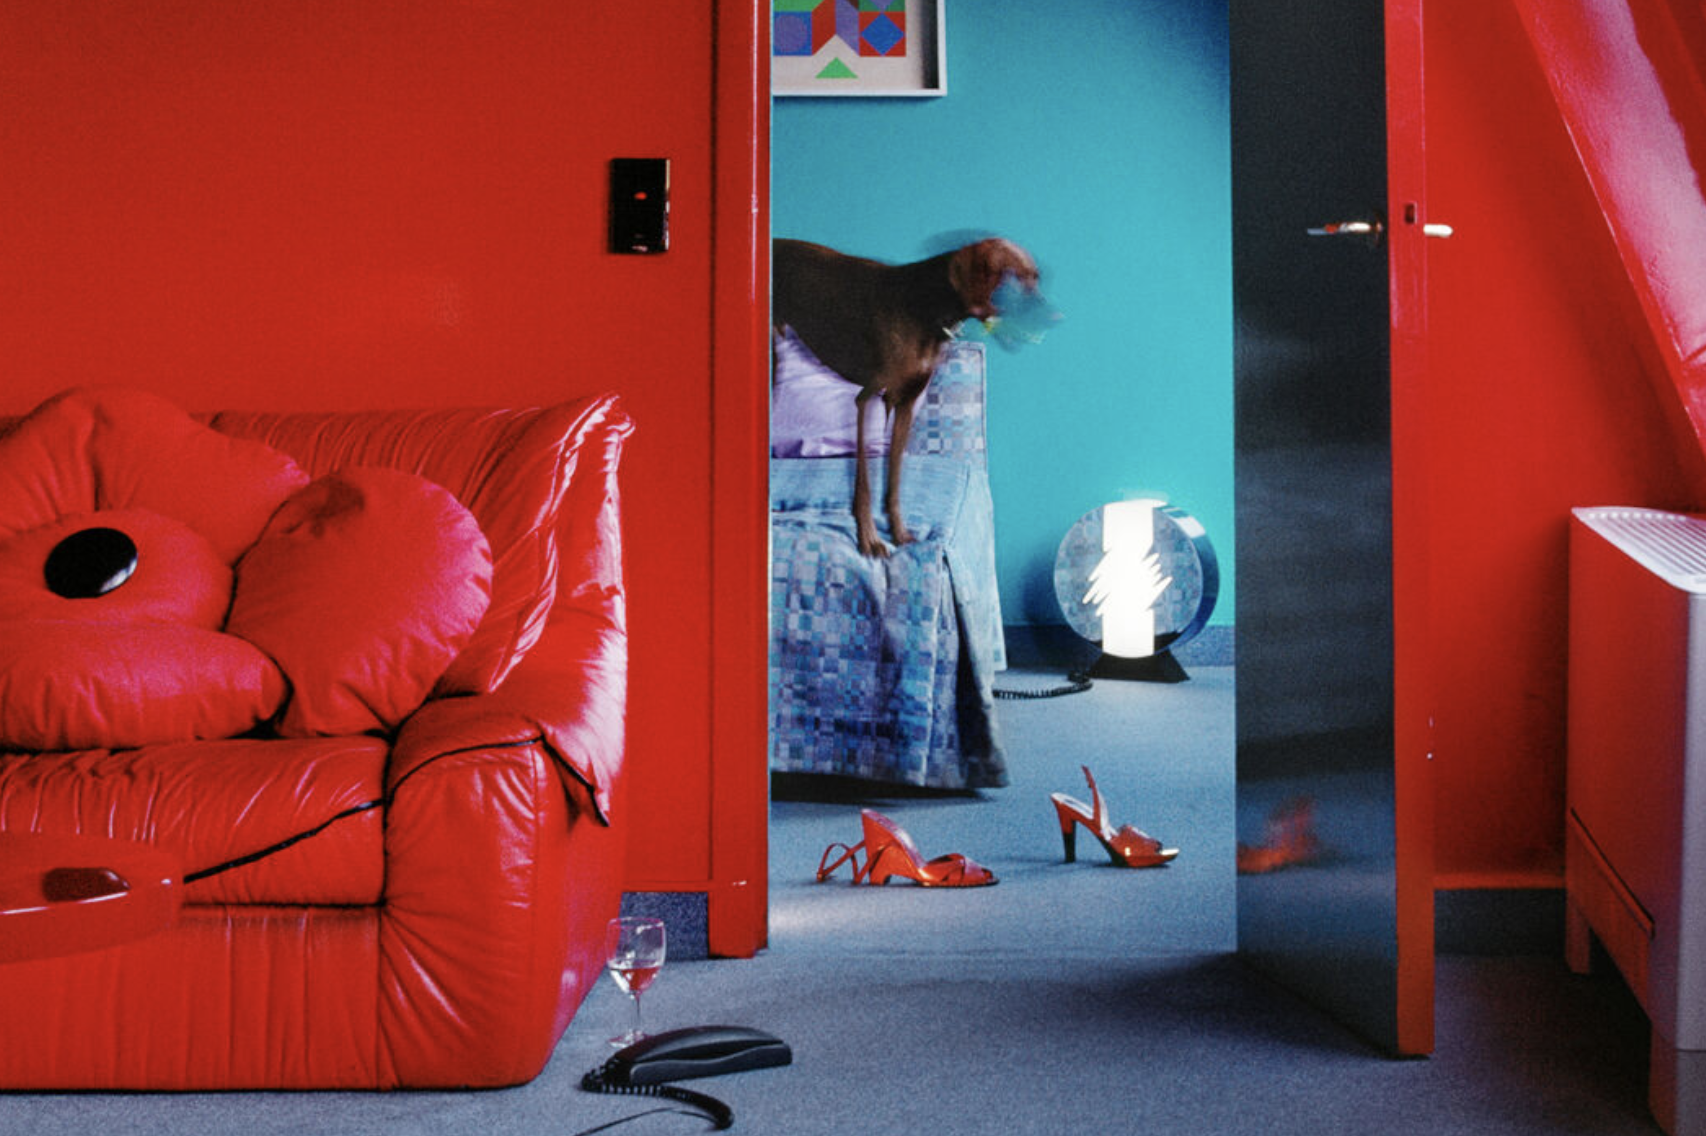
pixel 976 272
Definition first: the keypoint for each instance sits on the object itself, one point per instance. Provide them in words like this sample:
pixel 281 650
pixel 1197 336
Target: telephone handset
pixel 700 1051
pixel 677 1055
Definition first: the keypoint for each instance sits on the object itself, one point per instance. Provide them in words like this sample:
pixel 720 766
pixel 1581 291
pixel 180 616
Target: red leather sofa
pixel 412 896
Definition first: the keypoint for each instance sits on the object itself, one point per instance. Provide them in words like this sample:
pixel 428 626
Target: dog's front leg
pixel 870 544
pixel 897 451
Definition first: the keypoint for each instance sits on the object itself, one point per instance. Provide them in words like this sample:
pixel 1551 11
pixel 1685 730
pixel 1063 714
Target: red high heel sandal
pixel 890 852
pixel 1127 848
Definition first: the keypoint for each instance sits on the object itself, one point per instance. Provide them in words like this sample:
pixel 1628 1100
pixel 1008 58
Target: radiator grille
pixel 1672 545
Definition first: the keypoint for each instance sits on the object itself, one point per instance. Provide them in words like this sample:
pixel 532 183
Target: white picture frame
pixel 858 48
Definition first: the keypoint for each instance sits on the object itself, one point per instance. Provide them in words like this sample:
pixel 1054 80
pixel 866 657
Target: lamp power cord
pixel 1077 682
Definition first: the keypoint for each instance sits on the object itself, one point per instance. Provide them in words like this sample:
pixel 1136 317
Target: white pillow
pixel 812 413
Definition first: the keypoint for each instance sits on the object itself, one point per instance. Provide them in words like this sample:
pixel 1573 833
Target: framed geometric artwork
pixel 884 48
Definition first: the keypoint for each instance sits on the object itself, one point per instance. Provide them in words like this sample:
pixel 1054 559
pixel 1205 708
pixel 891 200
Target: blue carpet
pixel 1067 999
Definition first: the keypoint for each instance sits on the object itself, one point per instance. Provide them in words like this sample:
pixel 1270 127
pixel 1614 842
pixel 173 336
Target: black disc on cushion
pixel 90 563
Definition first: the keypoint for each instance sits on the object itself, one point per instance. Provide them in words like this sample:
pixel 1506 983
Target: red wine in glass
pixel 634 954
pixel 633 979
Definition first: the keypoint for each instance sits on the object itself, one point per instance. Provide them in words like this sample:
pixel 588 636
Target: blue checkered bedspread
pixel 883 669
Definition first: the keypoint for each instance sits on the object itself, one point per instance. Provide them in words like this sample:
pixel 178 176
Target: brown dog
pixel 882 327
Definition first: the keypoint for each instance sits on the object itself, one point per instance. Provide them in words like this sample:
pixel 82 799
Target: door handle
pixel 1372 231
pixel 1367 229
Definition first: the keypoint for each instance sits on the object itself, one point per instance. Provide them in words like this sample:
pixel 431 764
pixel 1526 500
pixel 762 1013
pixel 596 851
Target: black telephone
pixel 701 1051
pixel 677 1055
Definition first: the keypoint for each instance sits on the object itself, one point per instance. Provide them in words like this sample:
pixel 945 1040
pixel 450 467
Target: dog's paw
pixel 872 545
pixel 899 534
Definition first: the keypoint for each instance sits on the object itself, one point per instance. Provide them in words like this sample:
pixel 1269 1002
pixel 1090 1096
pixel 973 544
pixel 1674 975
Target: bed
pixel 883 669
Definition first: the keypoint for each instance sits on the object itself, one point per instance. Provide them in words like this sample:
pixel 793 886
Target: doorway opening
pixel 1130 397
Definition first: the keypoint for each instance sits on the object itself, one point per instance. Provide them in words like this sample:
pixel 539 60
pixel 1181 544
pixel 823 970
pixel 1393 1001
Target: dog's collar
pixel 958 330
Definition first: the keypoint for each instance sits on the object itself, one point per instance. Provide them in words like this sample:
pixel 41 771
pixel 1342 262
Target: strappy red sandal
pixel 1128 847
pixel 890 852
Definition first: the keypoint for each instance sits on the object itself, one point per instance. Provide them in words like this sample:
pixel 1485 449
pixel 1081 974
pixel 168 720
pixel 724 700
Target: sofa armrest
pixel 497 889
pixel 570 693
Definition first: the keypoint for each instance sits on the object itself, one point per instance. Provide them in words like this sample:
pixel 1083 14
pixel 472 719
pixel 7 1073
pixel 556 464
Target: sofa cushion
pixel 292 821
pixel 111 448
pixel 178 576
pixel 71 684
pixel 511 468
pixel 363 587
pixel 134 658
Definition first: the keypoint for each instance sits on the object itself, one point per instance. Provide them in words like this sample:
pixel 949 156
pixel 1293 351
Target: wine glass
pixel 634 949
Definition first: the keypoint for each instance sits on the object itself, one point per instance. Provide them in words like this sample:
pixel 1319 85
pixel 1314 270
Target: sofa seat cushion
pixel 293 821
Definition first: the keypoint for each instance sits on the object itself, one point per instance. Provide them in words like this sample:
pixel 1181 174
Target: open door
pixel 1336 900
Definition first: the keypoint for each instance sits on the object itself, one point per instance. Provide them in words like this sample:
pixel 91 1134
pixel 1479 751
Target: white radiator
pixel 1635 850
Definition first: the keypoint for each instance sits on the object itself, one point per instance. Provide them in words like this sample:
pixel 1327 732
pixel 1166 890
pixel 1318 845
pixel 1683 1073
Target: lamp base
pixel 1159 667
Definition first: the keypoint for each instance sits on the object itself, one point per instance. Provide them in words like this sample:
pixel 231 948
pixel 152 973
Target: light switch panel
pixel 639 205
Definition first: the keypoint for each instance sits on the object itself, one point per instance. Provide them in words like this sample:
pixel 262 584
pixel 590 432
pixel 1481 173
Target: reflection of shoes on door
pixel 1290 839
pixel 1128 847
pixel 890 852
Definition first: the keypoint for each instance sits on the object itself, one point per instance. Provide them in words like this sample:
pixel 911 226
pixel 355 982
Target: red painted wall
pixel 327 204
pixel 1542 397
pixel 322 204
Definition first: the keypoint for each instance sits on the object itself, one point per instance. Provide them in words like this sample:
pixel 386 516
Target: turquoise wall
pixel 1095 133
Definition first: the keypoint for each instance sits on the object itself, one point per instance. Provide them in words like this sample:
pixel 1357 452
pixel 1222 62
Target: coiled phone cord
pixel 719 1114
